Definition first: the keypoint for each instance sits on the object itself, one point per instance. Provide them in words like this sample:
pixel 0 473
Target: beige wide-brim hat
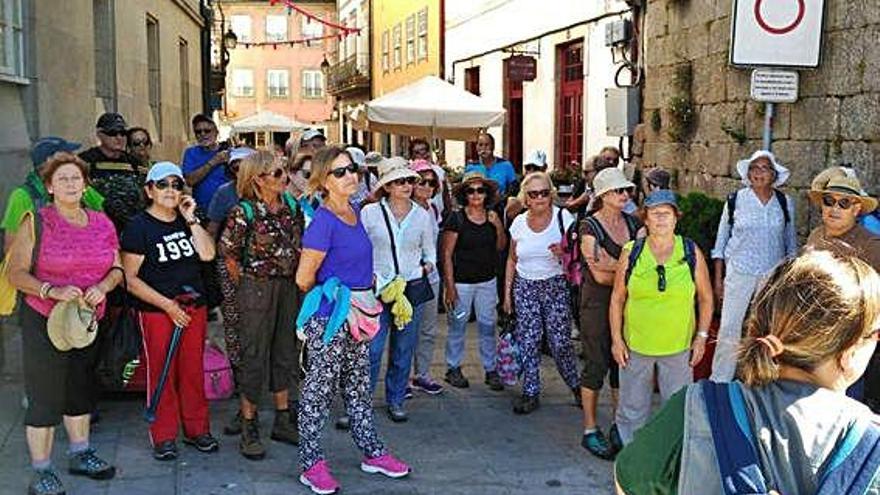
pixel 609 179
pixel 72 325
pixel 836 180
pixel 391 169
pixel 742 168
pixel 470 178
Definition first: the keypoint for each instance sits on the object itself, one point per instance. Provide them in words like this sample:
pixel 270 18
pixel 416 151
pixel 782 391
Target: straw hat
pixel 836 180
pixel 742 168
pixel 470 178
pixel 609 179
pixel 391 169
pixel 72 325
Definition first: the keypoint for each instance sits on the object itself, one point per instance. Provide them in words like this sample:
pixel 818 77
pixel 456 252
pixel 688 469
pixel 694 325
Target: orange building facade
pixel 281 78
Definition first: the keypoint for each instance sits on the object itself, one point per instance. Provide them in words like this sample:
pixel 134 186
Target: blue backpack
pixel 849 470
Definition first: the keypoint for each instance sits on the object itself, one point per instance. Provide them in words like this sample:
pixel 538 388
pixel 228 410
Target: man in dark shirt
pixel 113 172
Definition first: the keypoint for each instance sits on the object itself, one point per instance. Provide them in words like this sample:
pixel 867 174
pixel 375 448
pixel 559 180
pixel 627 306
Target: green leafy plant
pixel 682 116
pixel 699 219
pixel 656 120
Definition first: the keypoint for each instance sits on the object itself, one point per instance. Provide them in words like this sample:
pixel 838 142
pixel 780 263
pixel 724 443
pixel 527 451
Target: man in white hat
pixel 756 231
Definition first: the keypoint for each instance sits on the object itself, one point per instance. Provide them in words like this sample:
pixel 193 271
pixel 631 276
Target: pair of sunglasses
pixel 405 180
pixel 475 190
pixel 203 130
pixel 623 190
pixel 842 203
pixel 661 278
pixel 277 173
pixel 340 172
pixel 175 184
pixel 428 182
pixel 140 143
pixel 540 193
pixel 533 168
pixel 113 133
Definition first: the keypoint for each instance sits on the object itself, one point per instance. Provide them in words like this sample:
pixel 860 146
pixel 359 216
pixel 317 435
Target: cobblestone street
pixel 462 442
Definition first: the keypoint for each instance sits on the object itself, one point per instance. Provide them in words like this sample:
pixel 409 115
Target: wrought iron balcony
pixel 351 74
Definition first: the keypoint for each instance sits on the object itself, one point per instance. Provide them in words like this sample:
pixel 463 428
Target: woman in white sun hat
pixel 404 253
pixel 756 231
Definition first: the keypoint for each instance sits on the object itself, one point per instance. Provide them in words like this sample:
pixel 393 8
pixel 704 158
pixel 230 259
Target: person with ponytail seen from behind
pixel 786 425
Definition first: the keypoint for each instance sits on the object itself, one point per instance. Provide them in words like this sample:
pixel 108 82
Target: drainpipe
pixel 205 50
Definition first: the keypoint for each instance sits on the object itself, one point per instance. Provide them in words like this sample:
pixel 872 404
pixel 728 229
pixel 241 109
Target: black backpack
pixel 780 196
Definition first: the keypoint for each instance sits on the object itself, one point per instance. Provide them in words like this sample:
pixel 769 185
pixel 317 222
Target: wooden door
pixel 570 103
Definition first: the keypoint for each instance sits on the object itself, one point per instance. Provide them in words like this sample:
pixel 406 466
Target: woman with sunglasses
pixel 654 323
pixel 786 425
pixel 404 250
pixel 336 251
pixel 261 245
pixel 602 236
pixel 535 284
pixel 471 240
pixel 755 232
pixel 139 146
pixel 300 170
pixel 161 251
pixel 427 187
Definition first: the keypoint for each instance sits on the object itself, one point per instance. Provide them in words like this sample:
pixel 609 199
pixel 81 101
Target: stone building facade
pixel 67 62
pixel 698 119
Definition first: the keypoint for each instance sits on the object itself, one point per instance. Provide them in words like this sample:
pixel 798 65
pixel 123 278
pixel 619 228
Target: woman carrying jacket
pixel 404 252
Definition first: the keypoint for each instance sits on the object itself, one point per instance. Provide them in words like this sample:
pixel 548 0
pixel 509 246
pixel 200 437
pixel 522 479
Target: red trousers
pixel 183 398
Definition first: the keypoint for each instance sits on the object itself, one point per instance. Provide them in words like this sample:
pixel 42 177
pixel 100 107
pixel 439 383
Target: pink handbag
pixel 219 383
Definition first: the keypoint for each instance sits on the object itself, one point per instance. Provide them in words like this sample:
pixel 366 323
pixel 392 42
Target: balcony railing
pixel 351 74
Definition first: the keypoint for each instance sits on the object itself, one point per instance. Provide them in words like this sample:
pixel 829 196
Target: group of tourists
pixel 326 261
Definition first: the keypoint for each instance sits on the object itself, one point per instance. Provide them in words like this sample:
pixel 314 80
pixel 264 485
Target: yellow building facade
pixel 408 41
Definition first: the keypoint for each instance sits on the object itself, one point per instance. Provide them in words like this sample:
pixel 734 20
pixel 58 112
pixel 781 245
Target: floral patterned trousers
pixel 346 363
pixel 544 306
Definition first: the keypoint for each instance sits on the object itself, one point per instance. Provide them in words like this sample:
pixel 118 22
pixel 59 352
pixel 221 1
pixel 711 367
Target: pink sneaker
pixel 319 479
pixel 385 464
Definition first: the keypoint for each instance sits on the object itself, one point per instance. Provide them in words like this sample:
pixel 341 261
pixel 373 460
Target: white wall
pixel 473 28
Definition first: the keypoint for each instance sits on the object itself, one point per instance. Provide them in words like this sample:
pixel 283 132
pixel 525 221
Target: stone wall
pixel 837 118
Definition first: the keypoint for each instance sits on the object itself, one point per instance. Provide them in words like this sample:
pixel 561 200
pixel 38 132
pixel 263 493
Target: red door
pixel 513 99
pixel 472 85
pixel 570 108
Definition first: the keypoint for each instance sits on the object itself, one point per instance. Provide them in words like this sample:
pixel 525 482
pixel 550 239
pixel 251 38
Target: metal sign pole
pixel 768 126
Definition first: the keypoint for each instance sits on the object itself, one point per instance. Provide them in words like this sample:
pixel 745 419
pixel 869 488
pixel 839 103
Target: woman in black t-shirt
pixel 161 251
pixel 471 240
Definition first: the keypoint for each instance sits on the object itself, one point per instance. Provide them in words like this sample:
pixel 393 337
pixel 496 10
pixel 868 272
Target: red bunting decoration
pixel 344 31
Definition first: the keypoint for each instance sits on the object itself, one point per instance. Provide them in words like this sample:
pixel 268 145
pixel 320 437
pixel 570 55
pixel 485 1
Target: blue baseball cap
pixel 661 197
pixel 45 147
pixel 160 170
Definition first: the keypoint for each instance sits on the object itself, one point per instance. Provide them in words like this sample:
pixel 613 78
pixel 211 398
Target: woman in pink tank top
pixel 73 259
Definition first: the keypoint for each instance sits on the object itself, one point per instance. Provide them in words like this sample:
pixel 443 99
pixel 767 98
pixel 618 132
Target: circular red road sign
pixel 780 29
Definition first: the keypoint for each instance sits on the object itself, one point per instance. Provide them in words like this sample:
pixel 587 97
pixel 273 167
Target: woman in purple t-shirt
pixel 336 248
